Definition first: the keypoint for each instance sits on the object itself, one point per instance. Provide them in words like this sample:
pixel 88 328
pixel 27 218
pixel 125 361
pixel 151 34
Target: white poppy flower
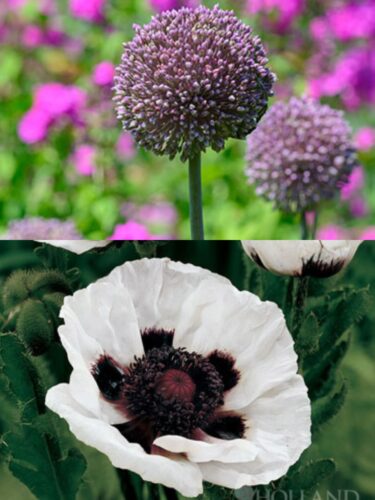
pixel 318 258
pixel 76 246
pixel 180 377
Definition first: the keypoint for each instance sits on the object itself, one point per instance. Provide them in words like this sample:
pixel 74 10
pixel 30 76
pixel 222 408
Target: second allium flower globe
pixel 190 79
pixel 300 154
pixel 180 377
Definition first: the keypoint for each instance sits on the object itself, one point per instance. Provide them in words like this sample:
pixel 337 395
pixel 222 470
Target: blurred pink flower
pixel 163 5
pixel 131 230
pixel 44 6
pixel 51 101
pixel 89 10
pixel 352 78
pixel 287 11
pixel 58 99
pixel 16 4
pixel 318 29
pixel 355 183
pixel 47 7
pixel 358 207
pixel 83 159
pixel 368 234
pixel 104 73
pixel 32 36
pixel 364 139
pixel 125 146
pixel 310 218
pixel 331 232
pixel 352 20
pixel 55 37
pixel 33 126
pixel 157 213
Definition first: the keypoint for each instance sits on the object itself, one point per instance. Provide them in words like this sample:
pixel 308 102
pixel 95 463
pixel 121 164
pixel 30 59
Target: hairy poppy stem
pixel 301 291
pixel 195 188
pixel 170 493
pixel 126 483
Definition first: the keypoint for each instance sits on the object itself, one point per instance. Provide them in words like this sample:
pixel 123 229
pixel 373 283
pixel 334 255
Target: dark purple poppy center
pixel 170 391
pixel 176 384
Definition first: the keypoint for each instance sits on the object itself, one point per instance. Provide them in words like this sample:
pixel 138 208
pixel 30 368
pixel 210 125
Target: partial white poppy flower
pixel 317 258
pixel 77 246
pixel 180 377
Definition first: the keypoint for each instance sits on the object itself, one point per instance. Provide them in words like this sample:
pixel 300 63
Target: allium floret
pixel 190 79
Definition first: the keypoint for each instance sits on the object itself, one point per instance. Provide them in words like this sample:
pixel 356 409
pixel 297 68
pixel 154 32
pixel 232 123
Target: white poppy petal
pixel 85 391
pixel 232 450
pixel 178 473
pixel 283 411
pixel 279 426
pixel 158 288
pixel 100 319
pixel 269 360
pixel 76 246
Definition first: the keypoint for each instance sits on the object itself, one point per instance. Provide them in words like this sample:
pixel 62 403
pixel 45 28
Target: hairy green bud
pixel 35 327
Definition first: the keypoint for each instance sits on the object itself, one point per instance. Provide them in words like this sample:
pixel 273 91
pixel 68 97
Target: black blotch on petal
pixel 257 259
pixel 110 377
pixel 230 426
pixel 155 338
pixel 224 364
pixel 138 431
pixel 320 269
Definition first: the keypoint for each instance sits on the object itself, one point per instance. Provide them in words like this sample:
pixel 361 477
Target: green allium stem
pixel 315 226
pixel 304 227
pixel 195 188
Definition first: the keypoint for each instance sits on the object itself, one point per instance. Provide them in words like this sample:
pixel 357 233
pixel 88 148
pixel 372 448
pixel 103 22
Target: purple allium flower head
pixel 190 79
pixel 300 154
pixel 39 228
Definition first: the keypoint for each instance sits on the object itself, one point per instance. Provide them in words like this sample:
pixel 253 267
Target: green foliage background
pixel 338 367
pixel 41 180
